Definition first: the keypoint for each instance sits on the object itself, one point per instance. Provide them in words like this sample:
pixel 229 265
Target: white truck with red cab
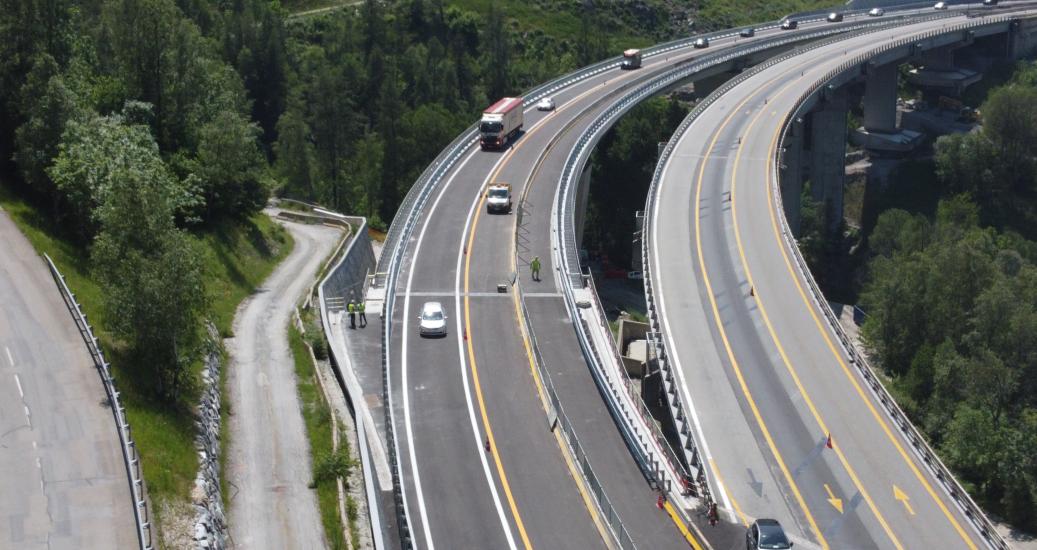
pixel 500 123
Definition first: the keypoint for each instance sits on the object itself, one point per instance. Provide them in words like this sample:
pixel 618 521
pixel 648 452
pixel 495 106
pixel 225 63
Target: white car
pixel 701 43
pixel 546 104
pixel 940 6
pixel 877 12
pixel 432 321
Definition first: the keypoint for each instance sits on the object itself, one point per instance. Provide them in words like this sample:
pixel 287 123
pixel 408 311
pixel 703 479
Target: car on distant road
pixel 766 534
pixel 702 43
pixel 432 321
pixel 989 2
pixel 940 6
pixel 789 24
pixel 747 33
pixel 876 12
pixel 835 17
pixel 546 104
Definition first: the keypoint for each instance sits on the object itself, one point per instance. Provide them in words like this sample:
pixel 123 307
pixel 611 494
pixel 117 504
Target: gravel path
pixel 268 467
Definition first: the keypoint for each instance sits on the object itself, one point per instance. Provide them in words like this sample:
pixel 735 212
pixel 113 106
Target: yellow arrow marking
pixel 836 502
pixel 902 497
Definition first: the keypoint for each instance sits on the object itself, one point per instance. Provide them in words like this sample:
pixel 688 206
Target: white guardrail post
pixel 129 451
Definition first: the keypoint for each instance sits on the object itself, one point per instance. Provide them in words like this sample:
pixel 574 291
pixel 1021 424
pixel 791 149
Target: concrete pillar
pixel 828 156
pixel 792 175
pixel 880 98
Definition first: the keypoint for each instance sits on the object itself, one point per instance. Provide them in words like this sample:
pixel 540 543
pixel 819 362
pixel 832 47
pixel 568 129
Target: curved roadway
pixel 759 363
pixel 64 480
pixel 480 466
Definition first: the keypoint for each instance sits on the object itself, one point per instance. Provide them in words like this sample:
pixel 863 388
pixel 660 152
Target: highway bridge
pixel 518 430
pixel 797 427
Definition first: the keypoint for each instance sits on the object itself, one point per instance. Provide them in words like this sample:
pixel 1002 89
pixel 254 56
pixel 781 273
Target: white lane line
pixel 406 387
pixel 19 383
pixel 464 361
pixel 464 366
pixel 9 358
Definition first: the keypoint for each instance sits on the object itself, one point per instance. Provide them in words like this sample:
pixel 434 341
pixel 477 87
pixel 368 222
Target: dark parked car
pixel 766 534
pixel 747 33
pixel 789 24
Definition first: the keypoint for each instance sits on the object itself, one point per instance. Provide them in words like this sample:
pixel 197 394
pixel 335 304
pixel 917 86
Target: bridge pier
pixel 880 98
pixel 828 155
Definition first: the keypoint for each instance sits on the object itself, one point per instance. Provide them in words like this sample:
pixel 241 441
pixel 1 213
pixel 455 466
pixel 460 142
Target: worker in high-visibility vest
pixel 534 266
pixel 351 308
pixel 360 307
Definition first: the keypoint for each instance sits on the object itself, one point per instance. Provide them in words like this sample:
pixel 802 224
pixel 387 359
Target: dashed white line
pixel 10 359
pixel 18 381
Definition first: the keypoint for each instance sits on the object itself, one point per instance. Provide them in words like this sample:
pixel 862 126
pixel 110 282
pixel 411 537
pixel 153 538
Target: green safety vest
pixel 360 307
pixel 351 307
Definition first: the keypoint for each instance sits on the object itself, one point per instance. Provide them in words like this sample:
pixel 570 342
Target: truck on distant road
pixel 631 59
pixel 498 197
pixel 500 123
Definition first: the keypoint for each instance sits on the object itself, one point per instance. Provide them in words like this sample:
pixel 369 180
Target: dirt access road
pixel 268 465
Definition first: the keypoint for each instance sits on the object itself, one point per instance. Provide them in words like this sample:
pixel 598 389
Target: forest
pixel 952 304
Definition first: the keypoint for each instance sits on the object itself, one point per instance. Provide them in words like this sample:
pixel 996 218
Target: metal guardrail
pixel 657 345
pixel 130 456
pixel 572 275
pixel 917 440
pixel 418 195
pixel 608 512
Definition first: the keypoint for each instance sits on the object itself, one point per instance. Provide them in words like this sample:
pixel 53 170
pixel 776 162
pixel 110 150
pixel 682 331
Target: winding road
pixel 268 461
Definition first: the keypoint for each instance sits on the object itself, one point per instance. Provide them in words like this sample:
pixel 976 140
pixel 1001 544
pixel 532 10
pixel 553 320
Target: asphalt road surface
pixel 453 397
pixel 762 368
pixel 63 481
pixel 268 465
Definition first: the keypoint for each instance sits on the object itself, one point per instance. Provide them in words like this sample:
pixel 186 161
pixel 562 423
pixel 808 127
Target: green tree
pixel 49 104
pixel 295 156
pixel 229 166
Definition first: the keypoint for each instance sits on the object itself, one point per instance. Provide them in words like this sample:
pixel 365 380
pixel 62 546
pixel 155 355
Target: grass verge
pixel 237 259
pixel 327 463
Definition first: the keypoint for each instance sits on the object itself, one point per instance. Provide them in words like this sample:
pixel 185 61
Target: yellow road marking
pixel 681 526
pixel 837 503
pixel 781 349
pixel 849 375
pixel 731 497
pixel 471 351
pixel 727 344
pixel 478 390
pixel 903 498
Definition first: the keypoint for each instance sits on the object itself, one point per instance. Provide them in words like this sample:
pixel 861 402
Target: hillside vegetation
pixel 952 304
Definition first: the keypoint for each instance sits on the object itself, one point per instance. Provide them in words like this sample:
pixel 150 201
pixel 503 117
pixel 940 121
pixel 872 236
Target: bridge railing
pixel 403 225
pixel 918 442
pixel 410 208
pixel 563 229
pixel 130 457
